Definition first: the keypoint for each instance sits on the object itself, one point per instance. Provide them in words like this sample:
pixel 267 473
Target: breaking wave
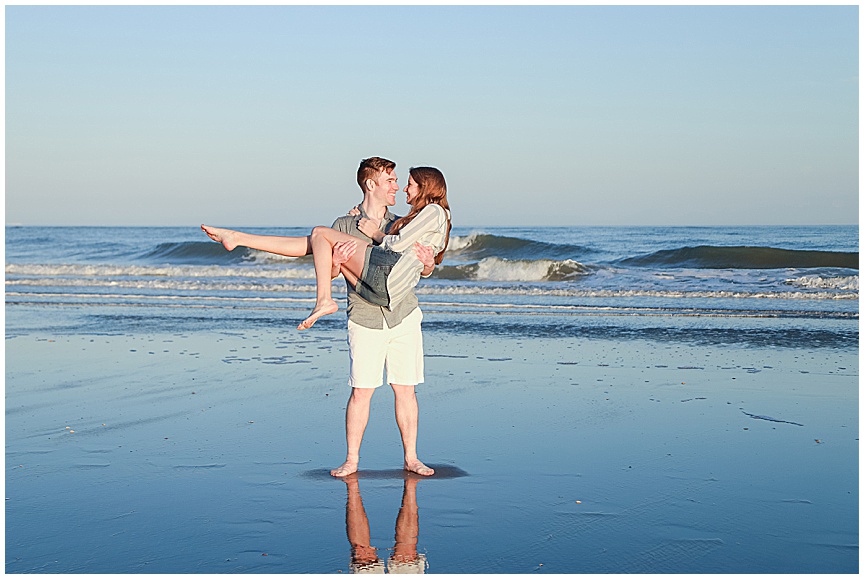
pixel 481 245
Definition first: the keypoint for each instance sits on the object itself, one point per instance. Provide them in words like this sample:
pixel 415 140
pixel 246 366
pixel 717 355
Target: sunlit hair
pixel 370 169
pixel 432 189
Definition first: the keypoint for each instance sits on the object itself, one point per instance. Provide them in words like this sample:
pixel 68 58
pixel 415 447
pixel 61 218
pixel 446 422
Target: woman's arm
pixel 427 257
pixel 370 229
pixel 429 219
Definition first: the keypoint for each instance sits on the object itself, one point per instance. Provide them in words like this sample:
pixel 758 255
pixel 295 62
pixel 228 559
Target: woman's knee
pixel 318 231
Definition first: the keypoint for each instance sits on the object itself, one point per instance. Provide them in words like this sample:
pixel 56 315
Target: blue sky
pixel 555 115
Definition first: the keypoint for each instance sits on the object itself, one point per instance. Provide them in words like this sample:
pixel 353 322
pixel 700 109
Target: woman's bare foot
pixel 418 467
pixel 324 309
pixel 348 468
pixel 223 236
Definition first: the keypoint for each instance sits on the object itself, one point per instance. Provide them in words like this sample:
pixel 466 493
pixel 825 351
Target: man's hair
pixel 370 169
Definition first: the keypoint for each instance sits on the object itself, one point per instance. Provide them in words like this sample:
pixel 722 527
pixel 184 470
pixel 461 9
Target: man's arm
pixel 342 252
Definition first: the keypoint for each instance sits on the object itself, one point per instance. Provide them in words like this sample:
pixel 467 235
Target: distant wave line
pixel 486 305
pixel 156 297
pixel 743 257
pixel 338 287
pixel 478 309
pixel 203 271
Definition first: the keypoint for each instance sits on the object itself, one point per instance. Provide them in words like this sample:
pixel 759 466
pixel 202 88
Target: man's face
pixel 385 188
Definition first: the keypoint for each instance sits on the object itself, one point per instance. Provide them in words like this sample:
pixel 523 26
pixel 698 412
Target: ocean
pixel 595 400
pixel 653 282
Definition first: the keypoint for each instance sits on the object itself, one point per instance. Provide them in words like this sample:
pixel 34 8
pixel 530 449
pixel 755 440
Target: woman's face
pixel 412 189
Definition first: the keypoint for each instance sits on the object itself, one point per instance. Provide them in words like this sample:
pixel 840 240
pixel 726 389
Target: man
pixel 404 557
pixel 377 336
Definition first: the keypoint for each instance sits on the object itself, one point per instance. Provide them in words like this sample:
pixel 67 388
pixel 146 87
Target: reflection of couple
pixel 364 557
pixel 383 313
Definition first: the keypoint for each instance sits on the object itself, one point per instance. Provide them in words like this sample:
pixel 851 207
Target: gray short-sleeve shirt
pixel 359 310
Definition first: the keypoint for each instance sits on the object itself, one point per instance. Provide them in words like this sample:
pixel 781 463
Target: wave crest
pixel 816 282
pixel 480 245
pixel 498 269
pixel 743 257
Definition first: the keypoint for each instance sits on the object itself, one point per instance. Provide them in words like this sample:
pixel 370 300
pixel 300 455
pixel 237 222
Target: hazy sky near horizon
pixel 553 115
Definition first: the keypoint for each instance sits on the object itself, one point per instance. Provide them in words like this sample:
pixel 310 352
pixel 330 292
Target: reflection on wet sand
pixel 364 557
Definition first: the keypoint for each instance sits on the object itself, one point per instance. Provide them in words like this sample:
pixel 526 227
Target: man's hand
pixel 342 252
pixel 354 211
pixel 427 258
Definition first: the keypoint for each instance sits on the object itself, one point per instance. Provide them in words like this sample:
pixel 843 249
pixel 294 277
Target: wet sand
pixel 195 452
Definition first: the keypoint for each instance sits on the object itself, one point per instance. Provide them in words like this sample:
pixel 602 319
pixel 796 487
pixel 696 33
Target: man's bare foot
pixel 326 308
pixel 418 467
pixel 223 236
pixel 348 468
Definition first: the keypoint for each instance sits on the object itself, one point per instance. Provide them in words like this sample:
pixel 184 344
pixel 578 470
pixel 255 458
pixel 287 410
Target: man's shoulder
pixel 343 223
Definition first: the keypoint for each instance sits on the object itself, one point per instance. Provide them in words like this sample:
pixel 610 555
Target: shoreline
pixel 199 451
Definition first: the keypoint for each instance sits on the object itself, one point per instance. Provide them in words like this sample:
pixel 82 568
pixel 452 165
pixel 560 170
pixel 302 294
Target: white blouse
pixel 428 228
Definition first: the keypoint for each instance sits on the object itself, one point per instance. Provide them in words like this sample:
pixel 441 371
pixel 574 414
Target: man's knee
pixel 403 390
pixel 363 395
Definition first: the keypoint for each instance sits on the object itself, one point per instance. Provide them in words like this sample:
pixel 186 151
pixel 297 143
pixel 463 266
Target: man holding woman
pixel 383 314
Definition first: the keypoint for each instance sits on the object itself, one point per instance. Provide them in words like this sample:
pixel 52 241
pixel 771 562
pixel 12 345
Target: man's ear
pixel 370 184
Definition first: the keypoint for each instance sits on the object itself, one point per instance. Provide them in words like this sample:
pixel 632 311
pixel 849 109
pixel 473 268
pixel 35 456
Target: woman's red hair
pixel 433 189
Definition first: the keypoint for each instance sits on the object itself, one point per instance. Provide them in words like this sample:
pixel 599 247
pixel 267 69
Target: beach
pixel 206 448
pixel 640 337
pixel 596 400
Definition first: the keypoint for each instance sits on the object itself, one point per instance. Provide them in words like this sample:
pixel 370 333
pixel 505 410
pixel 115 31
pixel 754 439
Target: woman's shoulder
pixel 436 209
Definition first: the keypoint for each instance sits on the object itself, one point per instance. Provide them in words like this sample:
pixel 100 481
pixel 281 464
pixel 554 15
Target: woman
pixel 382 274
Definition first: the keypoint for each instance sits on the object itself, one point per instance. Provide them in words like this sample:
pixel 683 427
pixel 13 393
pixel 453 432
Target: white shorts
pixel 400 349
pixel 415 567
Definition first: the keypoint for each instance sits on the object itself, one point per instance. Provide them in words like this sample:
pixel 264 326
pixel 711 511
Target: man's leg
pixel 364 557
pixel 405 558
pixel 356 419
pixel 366 348
pixel 405 366
pixel 407 418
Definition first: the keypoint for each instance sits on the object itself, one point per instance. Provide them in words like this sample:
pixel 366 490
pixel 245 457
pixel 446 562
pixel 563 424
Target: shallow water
pixel 205 450
pixel 597 400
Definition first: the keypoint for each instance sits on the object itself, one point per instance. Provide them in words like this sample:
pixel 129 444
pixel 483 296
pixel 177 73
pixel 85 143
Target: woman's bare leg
pixel 322 240
pixel 280 245
pixel 349 277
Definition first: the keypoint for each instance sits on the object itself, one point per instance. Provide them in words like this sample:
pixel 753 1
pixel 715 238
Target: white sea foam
pixel 817 282
pixel 458 242
pixel 199 301
pixel 597 293
pixel 203 271
pixel 146 297
pixel 167 284
pixel 264 257
pixel 222 285
pixel 496 269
